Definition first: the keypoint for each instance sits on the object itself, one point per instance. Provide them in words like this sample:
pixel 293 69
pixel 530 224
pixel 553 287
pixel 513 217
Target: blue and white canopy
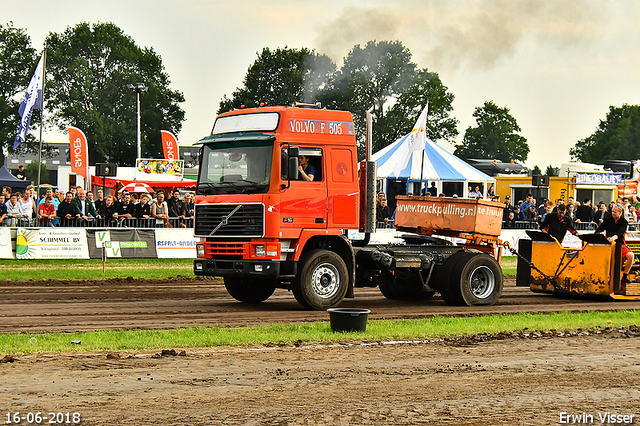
pixel 439 164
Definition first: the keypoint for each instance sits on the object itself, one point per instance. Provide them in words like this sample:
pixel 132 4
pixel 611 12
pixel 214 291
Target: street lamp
pixel 138 88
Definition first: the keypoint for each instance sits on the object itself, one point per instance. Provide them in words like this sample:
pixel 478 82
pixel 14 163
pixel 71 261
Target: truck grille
pixel 229 220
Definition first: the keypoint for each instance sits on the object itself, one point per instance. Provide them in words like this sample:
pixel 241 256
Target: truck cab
pixel 258 221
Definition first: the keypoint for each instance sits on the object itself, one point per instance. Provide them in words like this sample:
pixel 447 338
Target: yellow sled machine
pixel 594 270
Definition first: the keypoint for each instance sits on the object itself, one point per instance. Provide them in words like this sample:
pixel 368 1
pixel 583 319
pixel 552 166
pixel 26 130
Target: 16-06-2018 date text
pixel 37 418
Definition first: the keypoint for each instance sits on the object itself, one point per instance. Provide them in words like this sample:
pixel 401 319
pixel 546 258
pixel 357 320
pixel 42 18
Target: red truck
pixel 262 227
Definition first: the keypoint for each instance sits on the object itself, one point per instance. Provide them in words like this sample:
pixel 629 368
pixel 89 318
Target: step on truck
pixel 264 225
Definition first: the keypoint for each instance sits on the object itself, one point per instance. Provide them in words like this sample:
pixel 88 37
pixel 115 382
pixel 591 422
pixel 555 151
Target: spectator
pixel 508 208
pixel 86 209
pixel 27 206
pixel 625 207
pixel 531 214
pixel 571 212
pixel 527 202
pixel 21 173
pixel 14 210
pixel 73 191
pixel 584 213
pixel 510 222
pixel 433 190
pixel 547 210
pixel 189 205
pixel 134 198
pixel 124 210
pixel 558 224
pixel 98 202
pixel 383 213
pixel 91 200
pixel 601 214
pixel 632 218
pixel 46 212
pixel 519 215
pixel 67 212
pixel 6 191
pixel 3 211
pixel 476 193
pixel 160 210
pixel 177 208
pixel 142 210
pixel 106 211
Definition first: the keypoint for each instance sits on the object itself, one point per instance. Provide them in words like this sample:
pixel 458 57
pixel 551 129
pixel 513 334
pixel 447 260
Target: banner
pixel 32 100
pixel 5 244
pixel 146 167
pixel 78 152
pixel 127 243
pixel 176 243
pixel 51 243
pixel 169 145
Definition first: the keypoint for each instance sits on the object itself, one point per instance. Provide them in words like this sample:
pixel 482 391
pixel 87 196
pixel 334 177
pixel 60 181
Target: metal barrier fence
pixel 589 226
pixel 172 222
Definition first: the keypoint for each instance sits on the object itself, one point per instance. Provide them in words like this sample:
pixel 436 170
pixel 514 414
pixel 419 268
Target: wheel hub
pixel 483 282
pixel 325 280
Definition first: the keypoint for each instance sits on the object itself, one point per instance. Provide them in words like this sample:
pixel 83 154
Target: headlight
pixel 200 250
pixel 260 251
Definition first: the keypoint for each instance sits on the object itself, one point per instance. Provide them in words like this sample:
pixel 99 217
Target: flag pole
pixel 44 66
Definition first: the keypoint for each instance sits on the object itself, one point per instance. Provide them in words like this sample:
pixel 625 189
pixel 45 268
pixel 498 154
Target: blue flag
pixel 32 100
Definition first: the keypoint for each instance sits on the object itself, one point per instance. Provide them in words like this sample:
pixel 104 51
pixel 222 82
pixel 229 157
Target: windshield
pixel 241 168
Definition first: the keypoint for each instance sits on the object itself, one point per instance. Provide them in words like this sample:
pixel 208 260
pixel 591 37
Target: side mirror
pixel 293 168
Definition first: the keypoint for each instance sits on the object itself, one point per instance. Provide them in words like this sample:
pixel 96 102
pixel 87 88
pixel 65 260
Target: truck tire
pixel 409 288
pixel 249 290
pixel 475 280
pixel 444 281
pixel 323 280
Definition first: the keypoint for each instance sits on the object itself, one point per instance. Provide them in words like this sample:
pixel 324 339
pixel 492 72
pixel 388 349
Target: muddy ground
pixel 518 379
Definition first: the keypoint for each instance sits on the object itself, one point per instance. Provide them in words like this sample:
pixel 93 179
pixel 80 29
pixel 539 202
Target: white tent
pixel 436 164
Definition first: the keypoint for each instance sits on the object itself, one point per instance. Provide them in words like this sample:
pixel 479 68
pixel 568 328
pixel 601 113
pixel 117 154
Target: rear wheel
pixel 476 279
pixel 323 280
pixel 249 290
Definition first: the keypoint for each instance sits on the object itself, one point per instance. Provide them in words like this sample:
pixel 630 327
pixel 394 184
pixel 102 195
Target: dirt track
pixel 41 306
pixel 501 380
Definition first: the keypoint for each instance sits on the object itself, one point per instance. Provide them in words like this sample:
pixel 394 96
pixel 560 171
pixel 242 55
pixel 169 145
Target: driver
pixel 614 227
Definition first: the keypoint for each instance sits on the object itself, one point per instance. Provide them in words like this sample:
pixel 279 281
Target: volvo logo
pixel 225 220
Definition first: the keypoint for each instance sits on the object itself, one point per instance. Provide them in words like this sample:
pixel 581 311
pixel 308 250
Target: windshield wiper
pixel 208 187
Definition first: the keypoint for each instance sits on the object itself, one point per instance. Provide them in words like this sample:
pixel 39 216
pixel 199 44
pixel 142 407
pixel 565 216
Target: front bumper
pixel 236 268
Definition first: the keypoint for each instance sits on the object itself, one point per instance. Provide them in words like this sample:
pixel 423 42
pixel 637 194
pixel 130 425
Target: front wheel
pixel 249 290
pixel 323 280
pixel 476 280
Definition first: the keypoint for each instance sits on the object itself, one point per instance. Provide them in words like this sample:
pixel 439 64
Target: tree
pixel 401 117
pixel 552 171
pixel 495 136
pixel 379 75
pixel 616 138
pixel 281 77
pixel 89 67
pixel 536 171
pixel 17 63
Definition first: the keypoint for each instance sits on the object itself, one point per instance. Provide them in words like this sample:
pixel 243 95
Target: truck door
pixel 305 204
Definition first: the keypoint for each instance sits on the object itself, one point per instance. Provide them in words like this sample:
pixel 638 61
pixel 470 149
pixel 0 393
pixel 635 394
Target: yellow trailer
pixel 594 269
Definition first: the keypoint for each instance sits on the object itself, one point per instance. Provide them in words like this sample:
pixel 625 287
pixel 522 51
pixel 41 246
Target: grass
pixel 385 330
pixel 81 269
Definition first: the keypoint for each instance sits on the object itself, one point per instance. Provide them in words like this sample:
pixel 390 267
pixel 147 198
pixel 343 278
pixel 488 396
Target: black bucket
pixel 348 319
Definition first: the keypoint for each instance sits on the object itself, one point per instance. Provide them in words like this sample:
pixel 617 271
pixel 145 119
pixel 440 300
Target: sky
pixel 557 65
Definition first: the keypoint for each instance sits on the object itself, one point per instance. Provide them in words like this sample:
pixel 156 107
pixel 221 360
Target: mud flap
pixel 523 272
